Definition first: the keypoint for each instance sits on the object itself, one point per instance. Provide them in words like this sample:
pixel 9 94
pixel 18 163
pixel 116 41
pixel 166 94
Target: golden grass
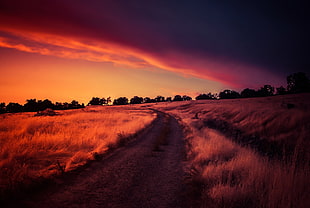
pixel 238 176
pixel 32 147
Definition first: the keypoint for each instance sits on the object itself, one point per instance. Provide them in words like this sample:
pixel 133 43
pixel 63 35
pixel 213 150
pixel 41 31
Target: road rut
pixel 144 173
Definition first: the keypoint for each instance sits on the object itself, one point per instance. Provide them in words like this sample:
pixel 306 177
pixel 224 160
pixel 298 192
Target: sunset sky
pixel 76 49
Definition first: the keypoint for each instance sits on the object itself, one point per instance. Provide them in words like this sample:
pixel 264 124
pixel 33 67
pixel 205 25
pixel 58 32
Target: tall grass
pixel 40 146
pixel 235 176
pixel 231 175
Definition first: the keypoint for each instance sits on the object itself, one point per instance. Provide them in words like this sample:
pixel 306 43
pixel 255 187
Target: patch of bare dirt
pixel 147 172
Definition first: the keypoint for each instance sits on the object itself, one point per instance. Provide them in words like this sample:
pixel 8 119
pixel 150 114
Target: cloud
pixel 137 35
pixel 49 44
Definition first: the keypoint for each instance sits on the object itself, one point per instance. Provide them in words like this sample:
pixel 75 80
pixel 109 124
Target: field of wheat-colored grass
pixel 231 173
pixel 40 146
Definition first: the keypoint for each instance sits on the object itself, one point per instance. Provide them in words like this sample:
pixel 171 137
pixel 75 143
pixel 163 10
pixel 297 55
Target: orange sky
pixel 62 51
pixel 30 75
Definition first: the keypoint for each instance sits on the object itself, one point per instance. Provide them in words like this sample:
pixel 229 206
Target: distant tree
pixel 248 93
pixel 265 91
pixel 120 101
pixel 169 99
pixel 298 82
pixel 147 100
pixel 159 99
pixel 42 105
pixel 75 104
pixel 97 101
pixel 31 105
pixel 59 106
pixel 108 101
pixel 229 94
pixel 136 100
pixel 281 91
pixel 2 108
pixel 66 105
pixel 178 98
pixel 208 96
pixel 185 97
pixel 14 108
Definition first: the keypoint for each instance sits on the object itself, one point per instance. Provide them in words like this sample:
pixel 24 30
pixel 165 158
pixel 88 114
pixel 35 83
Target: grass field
pixel 33 147
pixel 241 152
pixel 248 152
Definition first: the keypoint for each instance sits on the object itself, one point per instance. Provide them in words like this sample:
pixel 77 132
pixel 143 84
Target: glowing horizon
pixel 125 48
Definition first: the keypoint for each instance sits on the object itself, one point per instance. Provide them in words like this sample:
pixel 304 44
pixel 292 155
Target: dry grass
pixel 232 175
pixel 40 146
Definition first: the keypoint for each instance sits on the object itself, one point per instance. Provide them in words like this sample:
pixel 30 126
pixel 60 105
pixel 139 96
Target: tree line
pixel 296 83
pixel 33 105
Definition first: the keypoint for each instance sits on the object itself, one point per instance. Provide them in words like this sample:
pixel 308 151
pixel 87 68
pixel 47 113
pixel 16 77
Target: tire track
pixel 132 176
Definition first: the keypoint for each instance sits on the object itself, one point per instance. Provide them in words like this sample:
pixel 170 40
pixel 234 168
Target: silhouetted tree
pixel 75 104
pixel 205 97
pixel 178 98
pixel 169 99
pixel 66 105
pixel 42 105
pixel 108 101
pixel 298 82
pixel 159 99
pixel 147 100
pixel 136 100
pixel 59 106
pixel 229 94
pixel 265 91
pixel 120 101
pixel 185 97
pixel 281 91
pixel 2 108
pixel 248 93
pixel 97 101
pixel 31 105
pixel 14 108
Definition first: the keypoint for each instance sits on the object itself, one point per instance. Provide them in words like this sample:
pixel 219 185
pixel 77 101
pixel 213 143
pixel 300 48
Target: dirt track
pixel 131 176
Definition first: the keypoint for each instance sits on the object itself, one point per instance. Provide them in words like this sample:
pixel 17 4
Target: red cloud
pixel 63 30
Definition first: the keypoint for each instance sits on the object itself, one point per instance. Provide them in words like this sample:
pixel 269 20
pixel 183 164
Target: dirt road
pixel 145 173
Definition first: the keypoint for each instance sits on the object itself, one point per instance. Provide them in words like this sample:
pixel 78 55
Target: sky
pixel 75 49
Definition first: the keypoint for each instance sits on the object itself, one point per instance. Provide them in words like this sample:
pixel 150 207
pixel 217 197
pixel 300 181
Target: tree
pixel 298 82
pixel 185 97
pixel 281 91
pixel 265 91
pixel 169 99
pixel 136 100
pixel 59 106
pixel 75 104
pixel 108 101
pixel 208 96
pixel 248 93
pixel 31 105
pixel 160 99
pixel 178 98
pixel 147 100
pixel 97 101
pixel 14 108
pixel 42 105
pixel 2 108
pixel 229 94
pixel 120 101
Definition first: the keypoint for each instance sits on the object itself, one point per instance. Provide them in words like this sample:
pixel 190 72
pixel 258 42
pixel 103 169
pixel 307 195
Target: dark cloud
pixel 263 34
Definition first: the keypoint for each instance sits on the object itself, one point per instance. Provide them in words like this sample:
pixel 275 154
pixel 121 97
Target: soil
pixel 145 173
